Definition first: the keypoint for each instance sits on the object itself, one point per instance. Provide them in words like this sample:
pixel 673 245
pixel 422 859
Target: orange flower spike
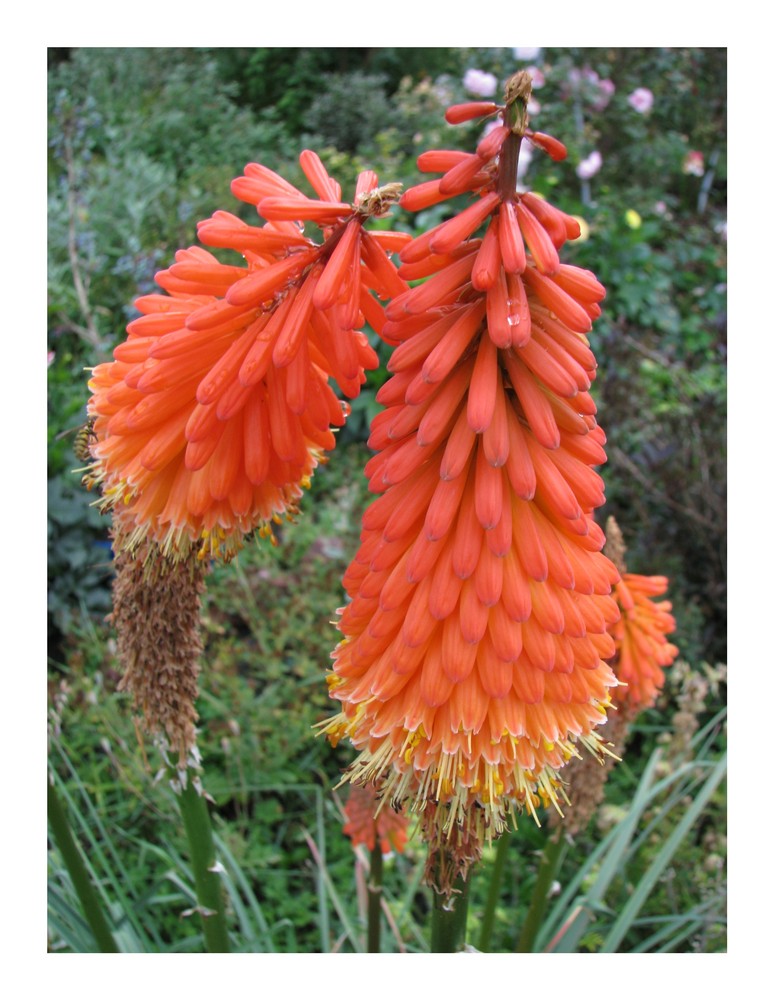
pixel 640 637
pixel 472 665
pixel 216 409
pixel 368 821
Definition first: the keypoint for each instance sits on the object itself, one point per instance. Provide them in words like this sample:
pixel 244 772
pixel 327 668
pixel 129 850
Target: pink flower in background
pixel 641 100
pixel 538 80
pixel 533 106
pixel 694 163
pixel 590 166
pixel 526 54
pixel 480 83
pixel 606 89
pixel 51 356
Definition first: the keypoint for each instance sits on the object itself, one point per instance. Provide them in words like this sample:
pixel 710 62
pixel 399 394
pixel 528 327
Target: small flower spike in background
pixel 374 824
pixel 642 650
pixel 371 822
pixel 472 664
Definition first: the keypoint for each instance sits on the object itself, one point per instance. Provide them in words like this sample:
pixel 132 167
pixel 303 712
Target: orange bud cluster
pixel 218 406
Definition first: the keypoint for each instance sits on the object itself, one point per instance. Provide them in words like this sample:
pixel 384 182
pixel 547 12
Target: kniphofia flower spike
pixel 370 820
pixel 472 661
pixel 640 635
pixel 641 651
pixel 217 407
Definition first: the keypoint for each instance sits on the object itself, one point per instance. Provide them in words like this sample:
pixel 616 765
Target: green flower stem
pixel 447 930
pixel 209 888
pixel 552 854
pixel 89 900
pixel 375 899
pixel 493 894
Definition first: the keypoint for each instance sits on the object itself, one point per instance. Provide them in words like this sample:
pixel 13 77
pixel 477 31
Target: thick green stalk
pixel 89 900
pixel 375 899
pixel 209 888
pixel 552 853
pixel 450 914
pixel 493 894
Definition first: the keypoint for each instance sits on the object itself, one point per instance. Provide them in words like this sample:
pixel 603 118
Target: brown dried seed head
pixel 452 847
pixel 615 547
pixel 519 87
pixel 586 780
pixel 156 617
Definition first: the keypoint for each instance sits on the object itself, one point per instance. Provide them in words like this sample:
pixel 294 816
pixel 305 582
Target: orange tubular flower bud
pixel 458 113
pixel 488 258
pixel 492 143
pixel 440 160
pixel 452 233
pixel 555 149
pixel 538 241
pixel 324 185
pixel 465 176
pixel 422 196
pixel 291 209
pixel 511 243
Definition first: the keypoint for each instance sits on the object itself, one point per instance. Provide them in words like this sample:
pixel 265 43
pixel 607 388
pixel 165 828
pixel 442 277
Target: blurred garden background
pixel 143 143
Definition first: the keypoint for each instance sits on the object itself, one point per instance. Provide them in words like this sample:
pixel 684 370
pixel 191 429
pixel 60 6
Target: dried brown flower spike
pixel 156 617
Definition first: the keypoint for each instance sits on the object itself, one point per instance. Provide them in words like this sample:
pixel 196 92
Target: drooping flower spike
pixel 369 820
pixel 218 406
pixel 472 664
